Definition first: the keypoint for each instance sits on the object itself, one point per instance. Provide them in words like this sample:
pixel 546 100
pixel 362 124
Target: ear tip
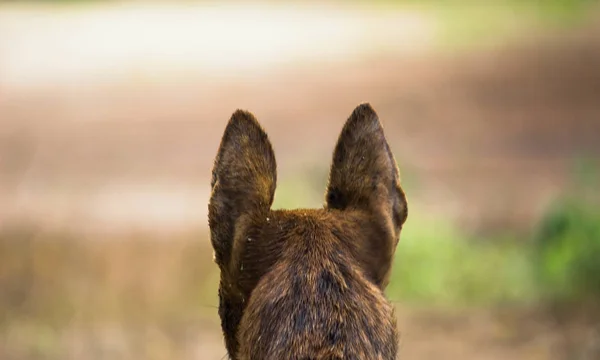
pixel 364 116
pixel 243 121
pixel 365 107
pixel 242 116
pixel 365 111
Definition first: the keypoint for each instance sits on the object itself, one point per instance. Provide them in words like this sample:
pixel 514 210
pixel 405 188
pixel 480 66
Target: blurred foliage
pixel 567 244
pixel 438 264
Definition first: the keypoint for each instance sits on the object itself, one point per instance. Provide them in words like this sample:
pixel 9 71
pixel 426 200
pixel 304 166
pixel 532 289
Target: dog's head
pixel 299 264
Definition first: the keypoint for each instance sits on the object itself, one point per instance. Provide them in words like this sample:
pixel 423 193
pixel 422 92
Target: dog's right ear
pixel 364 177
pixel 243 182
pixel 364 174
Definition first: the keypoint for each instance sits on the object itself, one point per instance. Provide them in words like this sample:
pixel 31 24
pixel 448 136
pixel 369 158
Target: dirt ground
pixel 485 138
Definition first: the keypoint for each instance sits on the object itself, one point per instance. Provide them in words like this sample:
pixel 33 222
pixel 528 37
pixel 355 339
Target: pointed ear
pixel 243 182
pixel 364 174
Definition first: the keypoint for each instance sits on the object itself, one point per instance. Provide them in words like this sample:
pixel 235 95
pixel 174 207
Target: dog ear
pixel 243 182
pixel 364 176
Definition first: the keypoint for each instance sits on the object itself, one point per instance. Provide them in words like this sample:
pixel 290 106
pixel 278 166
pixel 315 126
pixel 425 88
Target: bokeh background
pixel 111 113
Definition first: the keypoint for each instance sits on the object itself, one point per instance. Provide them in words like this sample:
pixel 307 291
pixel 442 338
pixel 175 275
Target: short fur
pixel 306 284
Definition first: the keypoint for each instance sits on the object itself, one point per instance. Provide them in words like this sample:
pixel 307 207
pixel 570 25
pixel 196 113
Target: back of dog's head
pixel 306 284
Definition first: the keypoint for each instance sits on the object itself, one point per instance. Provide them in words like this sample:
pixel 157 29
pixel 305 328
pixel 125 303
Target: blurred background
pixel 111 113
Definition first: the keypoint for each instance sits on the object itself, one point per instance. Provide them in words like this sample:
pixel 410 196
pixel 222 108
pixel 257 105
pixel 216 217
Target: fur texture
pixel 306 284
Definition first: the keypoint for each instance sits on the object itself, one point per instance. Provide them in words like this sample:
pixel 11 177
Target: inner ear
pixel 243 182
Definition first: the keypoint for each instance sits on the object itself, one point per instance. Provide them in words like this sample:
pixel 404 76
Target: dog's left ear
pixel 243 182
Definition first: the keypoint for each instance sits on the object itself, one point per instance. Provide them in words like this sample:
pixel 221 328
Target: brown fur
pixel 306 284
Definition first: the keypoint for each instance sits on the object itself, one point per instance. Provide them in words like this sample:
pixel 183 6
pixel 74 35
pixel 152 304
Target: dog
pixel 307 284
